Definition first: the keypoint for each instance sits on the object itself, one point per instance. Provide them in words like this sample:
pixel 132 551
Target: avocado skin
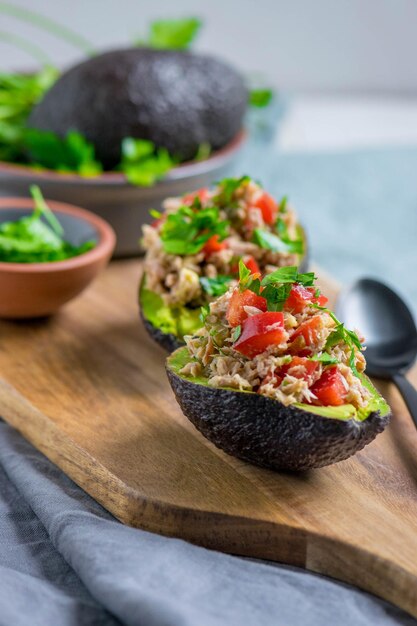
pixel 167 341
pixel 176 99
pixel 263 431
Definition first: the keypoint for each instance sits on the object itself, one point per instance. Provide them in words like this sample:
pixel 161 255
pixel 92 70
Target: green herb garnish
pixel 205 311
pixel 260 97
pixel 227 188
pixel 32 239
pixel 71 154
pixel 172 34
pixel 142 163
pixel 341 334
pixel 18 95
pixel 237 331
pixel 276 286
pixel 187 230
pixel 269 241
pixel 215 286
pixel 324 358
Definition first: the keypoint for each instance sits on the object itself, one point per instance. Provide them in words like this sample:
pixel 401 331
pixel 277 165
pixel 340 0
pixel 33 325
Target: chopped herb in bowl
pixel 37 238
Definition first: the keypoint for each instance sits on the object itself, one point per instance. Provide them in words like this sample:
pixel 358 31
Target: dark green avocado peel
pixel 263 431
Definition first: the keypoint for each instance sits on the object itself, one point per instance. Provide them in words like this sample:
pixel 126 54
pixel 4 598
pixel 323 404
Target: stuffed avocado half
pixel 194 246
pixel 274 378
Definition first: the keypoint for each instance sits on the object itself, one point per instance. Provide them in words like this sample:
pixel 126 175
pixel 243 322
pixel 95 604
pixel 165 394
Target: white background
pixel 367 46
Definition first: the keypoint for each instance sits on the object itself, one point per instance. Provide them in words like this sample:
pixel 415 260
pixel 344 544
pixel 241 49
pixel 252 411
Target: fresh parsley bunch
pixel 37 238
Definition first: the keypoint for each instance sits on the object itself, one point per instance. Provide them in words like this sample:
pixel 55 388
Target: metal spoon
pixel 390 332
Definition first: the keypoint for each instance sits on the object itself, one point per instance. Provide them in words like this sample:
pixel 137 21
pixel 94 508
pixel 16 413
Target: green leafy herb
pixel 18 94
pixel 228 186
pixel 276 286
pixel 341 334
pixel 205 310
pixel 260 97
pixel 289 275
pixel 172 34
pixel 247 280
pixel 142 163
pixel 215 286
pixel 283 205
pixel 71 154
pixel 236 333
pixel 269 241
pixel 32 239
pixel 203 152
pixel 187 230
pixel 324 358
pixel 156 214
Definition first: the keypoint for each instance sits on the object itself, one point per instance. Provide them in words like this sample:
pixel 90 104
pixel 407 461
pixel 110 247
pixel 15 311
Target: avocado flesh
pixel 178 321
pixel 181 357
pixel 265 432
pixel 178 100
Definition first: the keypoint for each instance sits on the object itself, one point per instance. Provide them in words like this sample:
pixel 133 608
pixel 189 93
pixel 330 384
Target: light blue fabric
pixel 65 561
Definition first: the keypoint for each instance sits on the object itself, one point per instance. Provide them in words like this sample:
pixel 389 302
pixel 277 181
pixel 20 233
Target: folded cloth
pixel 65 561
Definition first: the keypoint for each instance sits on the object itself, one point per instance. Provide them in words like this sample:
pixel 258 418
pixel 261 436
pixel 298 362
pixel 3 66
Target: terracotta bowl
pixel 124 206
pixel 30 290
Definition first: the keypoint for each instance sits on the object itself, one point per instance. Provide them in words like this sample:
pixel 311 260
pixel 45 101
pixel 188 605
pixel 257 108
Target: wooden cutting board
pixel 88 389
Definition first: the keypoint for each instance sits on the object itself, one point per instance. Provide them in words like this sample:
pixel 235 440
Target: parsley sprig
pixel 341 334
pixel 187 230
pixel 276 286
pixel 215 286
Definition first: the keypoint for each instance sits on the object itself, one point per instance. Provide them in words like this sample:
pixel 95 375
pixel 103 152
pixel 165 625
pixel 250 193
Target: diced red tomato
pixel 201 194
pixel 330 389
pixel 259 332
pixel 305 336
pixel 213 245
pixel 157 223
pixel 268 206
pixel 236 314
pixel 301 296
pixel 252 265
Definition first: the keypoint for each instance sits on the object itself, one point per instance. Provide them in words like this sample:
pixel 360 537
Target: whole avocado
pixel 179 100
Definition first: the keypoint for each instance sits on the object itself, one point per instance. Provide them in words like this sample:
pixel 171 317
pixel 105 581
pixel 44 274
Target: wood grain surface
pixel 88 389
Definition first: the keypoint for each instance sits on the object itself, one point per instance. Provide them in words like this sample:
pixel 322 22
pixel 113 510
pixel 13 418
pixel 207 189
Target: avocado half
pixel 263 431
pixel 178 100
pixel 167 326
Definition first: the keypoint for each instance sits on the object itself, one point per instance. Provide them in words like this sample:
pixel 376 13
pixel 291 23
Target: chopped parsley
pixel 37 238
pixel 187 230
pixel 215 286
pixel 142 163
pixel 228 186
pixel 324 358
pixel 73 153
pixel 260 98
pixel 237 331
pixel 269 241
pixel 341 334
pixel 172 34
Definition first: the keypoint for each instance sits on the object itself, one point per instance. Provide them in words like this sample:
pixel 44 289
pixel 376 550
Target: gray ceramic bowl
pixel 124 206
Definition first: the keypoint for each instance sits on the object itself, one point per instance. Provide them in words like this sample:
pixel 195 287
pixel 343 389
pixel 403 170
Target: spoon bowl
pixel 390 332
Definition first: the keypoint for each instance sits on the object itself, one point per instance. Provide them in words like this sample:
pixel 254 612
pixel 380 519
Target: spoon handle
pixel 409 394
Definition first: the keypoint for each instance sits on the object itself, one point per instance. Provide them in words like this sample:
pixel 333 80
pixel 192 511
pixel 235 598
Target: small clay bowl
pixel 29 290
